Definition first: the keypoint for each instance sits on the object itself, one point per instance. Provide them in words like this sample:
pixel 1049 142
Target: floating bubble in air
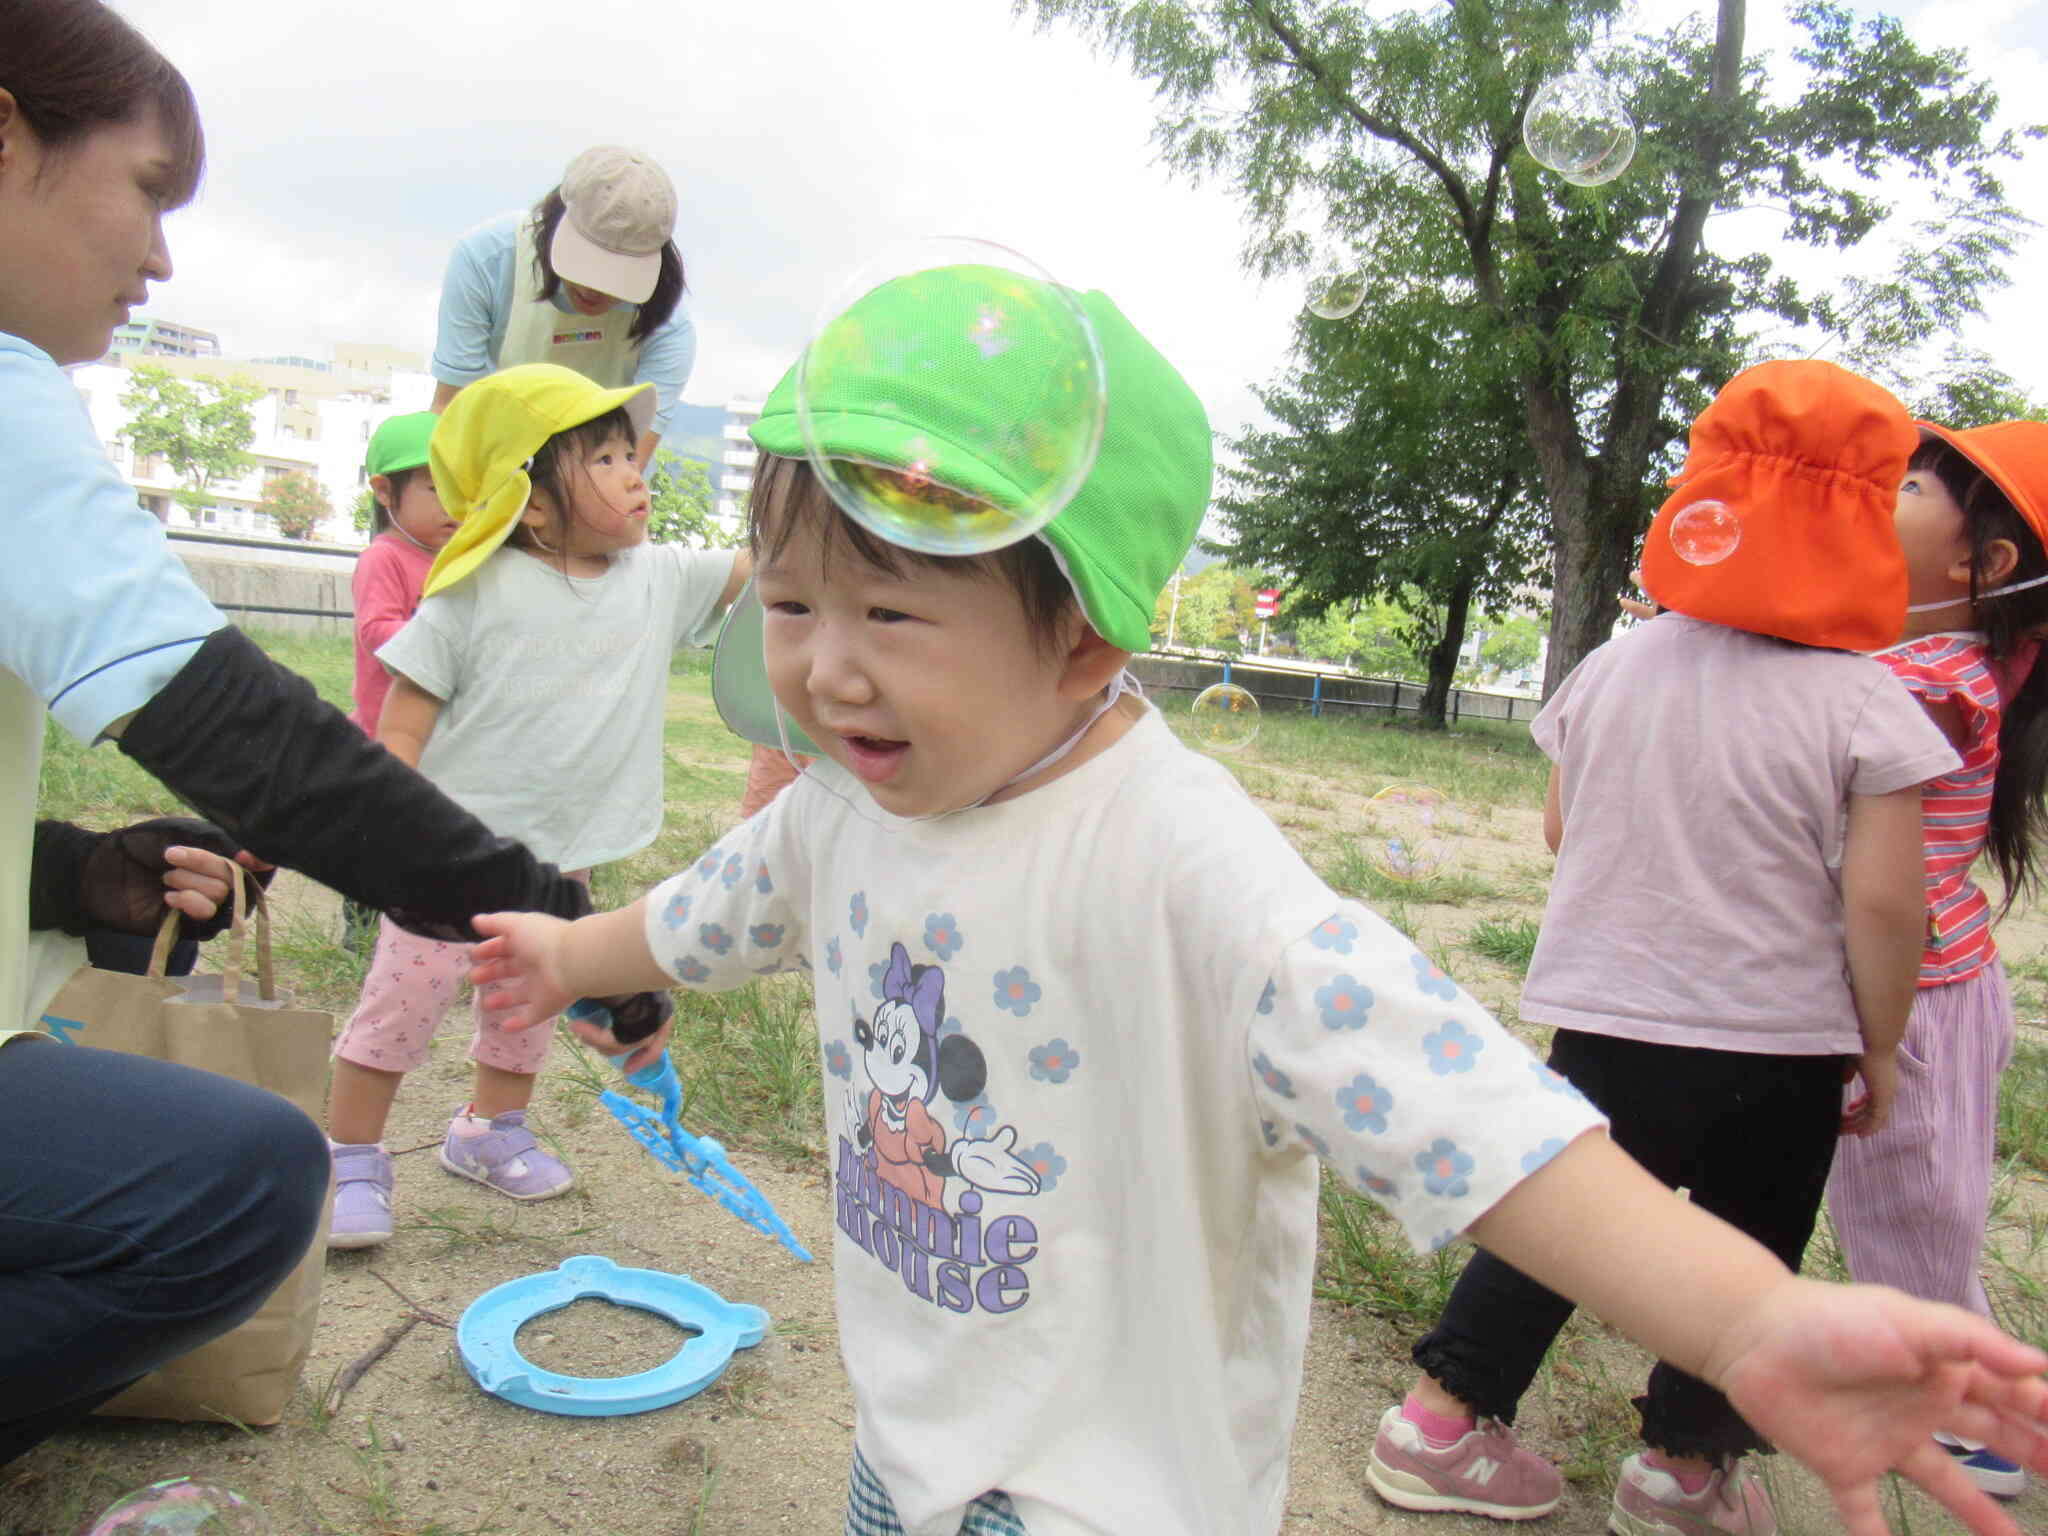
pixel 1706 533
pixel 1336 294
pixel 1578 126
pixel 952 396
pixel 1226 717
pixel 178 1506
pixel 1409 841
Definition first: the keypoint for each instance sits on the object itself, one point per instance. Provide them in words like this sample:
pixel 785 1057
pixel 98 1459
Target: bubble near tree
pixel 1226 717
pixel 1578 126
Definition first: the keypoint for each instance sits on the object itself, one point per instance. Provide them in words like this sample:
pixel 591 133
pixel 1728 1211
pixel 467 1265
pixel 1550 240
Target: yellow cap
pixel 485 443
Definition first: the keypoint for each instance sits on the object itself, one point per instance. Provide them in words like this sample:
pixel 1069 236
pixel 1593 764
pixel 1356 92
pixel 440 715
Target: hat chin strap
pixel 1125 682
pixel 1957 602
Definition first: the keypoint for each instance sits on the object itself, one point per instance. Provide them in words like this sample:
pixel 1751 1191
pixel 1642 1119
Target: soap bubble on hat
pixel 952 396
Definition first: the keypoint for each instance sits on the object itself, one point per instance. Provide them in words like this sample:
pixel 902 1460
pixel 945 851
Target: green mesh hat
pixel 1128 527
pixel 400 442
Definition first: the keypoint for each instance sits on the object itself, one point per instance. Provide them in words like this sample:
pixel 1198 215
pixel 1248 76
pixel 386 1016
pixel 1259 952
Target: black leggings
pixel 145 1208
pixel 1752 1138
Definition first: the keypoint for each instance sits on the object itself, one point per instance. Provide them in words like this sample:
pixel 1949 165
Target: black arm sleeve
pixel 56 877
pixel 251 747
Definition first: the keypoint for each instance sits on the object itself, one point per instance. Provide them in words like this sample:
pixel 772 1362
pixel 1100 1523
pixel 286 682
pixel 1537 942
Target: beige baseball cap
pixel 620 210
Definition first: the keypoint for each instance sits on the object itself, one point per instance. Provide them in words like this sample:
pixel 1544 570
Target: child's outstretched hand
pixel 518 968
pixel 1854 1381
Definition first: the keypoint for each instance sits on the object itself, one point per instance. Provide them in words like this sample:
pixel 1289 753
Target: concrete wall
pixel 260 595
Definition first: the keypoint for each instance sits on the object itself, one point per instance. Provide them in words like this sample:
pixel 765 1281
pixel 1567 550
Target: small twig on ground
pixel 425 1146
pixel 356 1369
pixel 420 1313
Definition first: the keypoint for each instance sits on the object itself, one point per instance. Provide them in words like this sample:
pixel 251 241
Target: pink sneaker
pixel 1649 1502
pixel 1484 1473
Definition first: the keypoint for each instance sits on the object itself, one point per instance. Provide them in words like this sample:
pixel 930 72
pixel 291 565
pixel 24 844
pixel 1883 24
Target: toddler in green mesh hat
pixel 1088 1025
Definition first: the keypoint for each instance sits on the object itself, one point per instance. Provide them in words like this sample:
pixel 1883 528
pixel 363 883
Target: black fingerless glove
pixel 252 747
pixel 636 1015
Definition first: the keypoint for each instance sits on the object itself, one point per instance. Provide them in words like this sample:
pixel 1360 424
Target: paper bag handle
pixel 243 895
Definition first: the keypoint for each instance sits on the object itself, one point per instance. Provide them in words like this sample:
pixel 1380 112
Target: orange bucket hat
pixel 2014 457
pixel 1781 521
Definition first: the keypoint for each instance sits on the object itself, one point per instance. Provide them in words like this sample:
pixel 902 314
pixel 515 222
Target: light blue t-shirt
pixel 96 613
pixel 476 303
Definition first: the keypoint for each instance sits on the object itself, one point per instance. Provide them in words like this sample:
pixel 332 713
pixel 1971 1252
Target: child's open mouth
pixel 873 758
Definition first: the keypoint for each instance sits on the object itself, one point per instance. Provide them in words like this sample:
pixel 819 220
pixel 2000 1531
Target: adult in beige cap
pixel 588 278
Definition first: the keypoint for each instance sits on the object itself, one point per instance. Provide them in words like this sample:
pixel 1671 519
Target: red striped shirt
pixel 1955 809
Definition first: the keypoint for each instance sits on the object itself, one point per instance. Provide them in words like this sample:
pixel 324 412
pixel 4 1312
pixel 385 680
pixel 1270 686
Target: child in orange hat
pixel 1734 800
pixel 1910 1202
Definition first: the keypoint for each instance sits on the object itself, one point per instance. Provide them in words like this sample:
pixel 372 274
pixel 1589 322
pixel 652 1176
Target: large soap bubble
pixel 1412 820
pixel 1226 717
pixel 952 396
pixel 1578 126
pixel 1706 532
pixel 178 1506
pixel 1336 293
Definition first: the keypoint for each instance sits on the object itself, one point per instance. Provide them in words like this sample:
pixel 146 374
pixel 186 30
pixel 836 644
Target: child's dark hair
pixel 2009 621
pixel 560 457
pixel 669 288
pixel 380 510
pixel 788 496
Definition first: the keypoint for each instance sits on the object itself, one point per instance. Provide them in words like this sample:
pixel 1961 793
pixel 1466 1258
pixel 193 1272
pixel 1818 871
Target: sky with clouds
pixel 350 145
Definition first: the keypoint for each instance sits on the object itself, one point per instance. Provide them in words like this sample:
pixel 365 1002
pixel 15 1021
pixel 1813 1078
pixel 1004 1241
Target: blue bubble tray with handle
pixel 487 1333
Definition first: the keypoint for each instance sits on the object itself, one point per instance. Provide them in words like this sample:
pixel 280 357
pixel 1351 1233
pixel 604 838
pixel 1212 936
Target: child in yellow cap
pixel 530 686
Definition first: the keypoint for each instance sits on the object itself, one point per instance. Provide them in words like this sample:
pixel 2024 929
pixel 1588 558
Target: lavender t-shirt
pixel 1705 775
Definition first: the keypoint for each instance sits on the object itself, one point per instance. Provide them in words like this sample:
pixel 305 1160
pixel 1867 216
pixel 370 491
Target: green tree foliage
pixel 1373 636
pixel 201 427
pixel 1397 471
pixel 1390 136
pixel 296 504
pixel 679 493
pixel 1511 643
pixel 364 512
pixel 1211 610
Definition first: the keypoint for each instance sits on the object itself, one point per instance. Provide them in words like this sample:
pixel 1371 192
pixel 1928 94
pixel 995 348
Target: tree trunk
pixel 1443 656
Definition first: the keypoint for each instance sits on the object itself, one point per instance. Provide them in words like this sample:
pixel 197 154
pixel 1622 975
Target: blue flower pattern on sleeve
pixel 714 938
pixel 1054 1062
pixel 857 916
pixel 838 1060
pixel 941 935
pixel 1272 1076
pixel 875 974
pixel 1271 1132
pixel 707 866
pixel 762 883
pixel 1266 997
pixel 1550 1147
pixel 1365 1104
pixel 1444 1167
pixel 1046 1163
pixel 690 968
pixel 1334 933
pixel 1555 1081
pixel 1315 1143
pixel 1452 1048
pixel 677 912
pixel 765 935
pixel 951 1025
pixel 1431 979
pixel 832 954
pixel 735 867
pixel 1345 1002
pixel 1373 1184
pixel 1016 991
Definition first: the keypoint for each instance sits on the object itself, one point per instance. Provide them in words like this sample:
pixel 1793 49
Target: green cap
pixel 400 443
pixel 1126 529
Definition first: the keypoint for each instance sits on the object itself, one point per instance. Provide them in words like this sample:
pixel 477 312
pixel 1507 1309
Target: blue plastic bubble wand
pixel 699 1159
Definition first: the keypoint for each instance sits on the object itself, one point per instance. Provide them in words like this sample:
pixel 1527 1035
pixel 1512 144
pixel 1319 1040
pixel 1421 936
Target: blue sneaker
pixel 1990 1471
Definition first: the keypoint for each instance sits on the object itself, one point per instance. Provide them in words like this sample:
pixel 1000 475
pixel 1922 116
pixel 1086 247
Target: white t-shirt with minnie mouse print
pixel 1082 1051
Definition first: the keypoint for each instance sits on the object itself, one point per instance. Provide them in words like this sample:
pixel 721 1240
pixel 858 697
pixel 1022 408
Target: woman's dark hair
pixel 560 457
pixel 2009 620
pixel 788 496
pixel 669 288
pixel 73 67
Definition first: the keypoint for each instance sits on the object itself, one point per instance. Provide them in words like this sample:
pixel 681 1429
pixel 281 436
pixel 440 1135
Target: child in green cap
pixel 407 529
pixel 1089 1026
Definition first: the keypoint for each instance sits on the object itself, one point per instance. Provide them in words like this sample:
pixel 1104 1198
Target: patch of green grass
pixel 1365 1260
pixel 1508 940
pixel 1353 867
pixel 2023 1106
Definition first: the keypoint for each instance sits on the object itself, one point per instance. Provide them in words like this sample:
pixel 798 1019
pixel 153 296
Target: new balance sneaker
pixel 507 1158
pixel 1651 1502
pixel 1990 1471
pixel 1483 1473
pixel 362 1197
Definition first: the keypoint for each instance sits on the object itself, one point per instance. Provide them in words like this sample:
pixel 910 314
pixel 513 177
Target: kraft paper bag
pixel 242 1029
